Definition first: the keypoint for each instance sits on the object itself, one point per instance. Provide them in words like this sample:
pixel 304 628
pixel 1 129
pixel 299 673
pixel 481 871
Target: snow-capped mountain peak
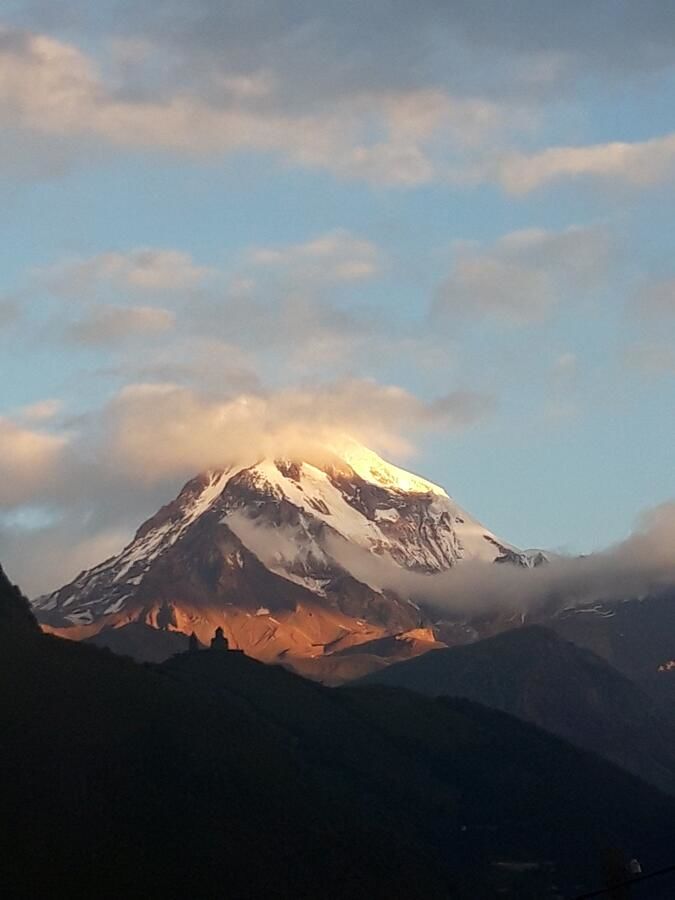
pixel 263 550
pixel 372 468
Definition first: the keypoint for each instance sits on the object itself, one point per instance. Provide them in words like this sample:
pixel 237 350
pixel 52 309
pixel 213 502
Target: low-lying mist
pixel 635 567
pixel 641 564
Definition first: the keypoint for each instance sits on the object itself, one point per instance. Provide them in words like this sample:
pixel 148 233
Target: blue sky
pixel 447 232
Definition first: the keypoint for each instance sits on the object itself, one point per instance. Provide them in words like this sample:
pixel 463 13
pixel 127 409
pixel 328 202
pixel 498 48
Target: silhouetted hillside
pixel 215 774
pixel 141 642
pixel 539 677
pixel 479 785
pixel 15 610
pixel 119 781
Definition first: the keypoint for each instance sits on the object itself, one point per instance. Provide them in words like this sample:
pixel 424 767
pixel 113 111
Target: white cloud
pixel 206 363
pixel 45 84
pixel 393 136
pixel 639 164
pixel 110 324
pixel 523 275
pixel 152 432
pixel 336 256
pixel 323 50
pixel 295 299
pixel 113 289
pixel 42 410
pixel 69 496
pixel 639 565
pixel 157 431
pixel 29 460
pixel 295 305
pixel 293 84
pixel 143 270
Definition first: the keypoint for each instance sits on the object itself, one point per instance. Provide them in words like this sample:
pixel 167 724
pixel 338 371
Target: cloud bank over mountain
pixel 641 564
pixel 95 475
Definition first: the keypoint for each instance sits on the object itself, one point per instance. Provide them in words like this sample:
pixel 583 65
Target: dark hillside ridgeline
pixel 120 780
pixel 141 642
pixel 534 674
pixel 214 774
pixel 15 612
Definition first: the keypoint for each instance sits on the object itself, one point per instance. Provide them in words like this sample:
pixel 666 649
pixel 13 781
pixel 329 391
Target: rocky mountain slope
pixel 267 551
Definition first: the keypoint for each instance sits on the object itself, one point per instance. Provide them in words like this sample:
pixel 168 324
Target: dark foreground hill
pixel 214 775
pixel 141 642
pixel 15 613
pixel 534 674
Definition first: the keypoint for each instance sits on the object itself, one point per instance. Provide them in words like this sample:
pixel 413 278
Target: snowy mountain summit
pixel 293 559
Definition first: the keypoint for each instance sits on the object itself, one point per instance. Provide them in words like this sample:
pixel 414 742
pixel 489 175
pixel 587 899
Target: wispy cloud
pixel 389 135
pixel 141 270
pixel 446 94
pixel 153 432
pixel 41 411
pixel 336 256
pixel 633 568
pixel 641 163
pixel 110 324
pixel 29 459
pixel 522 276
pixel 160 430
